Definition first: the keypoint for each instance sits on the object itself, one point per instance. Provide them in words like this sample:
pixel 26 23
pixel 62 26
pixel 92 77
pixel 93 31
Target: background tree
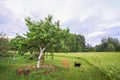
pixel 88 48
pixel 108 44
pixel 80 43
pixel 4 44
pixel 73 43
pixel 17 45
pixel 110 47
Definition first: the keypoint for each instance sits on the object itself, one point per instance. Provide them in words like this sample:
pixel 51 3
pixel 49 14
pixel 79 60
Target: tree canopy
pixel 46 34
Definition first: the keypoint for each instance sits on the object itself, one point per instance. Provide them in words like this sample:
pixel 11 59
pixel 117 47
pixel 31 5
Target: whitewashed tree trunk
pixel 39 57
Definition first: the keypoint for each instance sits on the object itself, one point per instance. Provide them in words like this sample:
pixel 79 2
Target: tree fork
pixel 40 55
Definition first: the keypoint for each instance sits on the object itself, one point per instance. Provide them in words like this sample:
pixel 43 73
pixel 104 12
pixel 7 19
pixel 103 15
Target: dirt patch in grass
pixel 44 69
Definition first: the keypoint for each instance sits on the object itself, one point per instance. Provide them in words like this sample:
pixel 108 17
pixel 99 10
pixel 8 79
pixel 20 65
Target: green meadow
pixel 94 66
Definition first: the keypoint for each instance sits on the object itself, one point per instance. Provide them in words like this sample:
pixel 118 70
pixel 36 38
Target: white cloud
pixel 108 25
pixel 60 9
pixel 117 25
pixel 86 14
pixel 94 34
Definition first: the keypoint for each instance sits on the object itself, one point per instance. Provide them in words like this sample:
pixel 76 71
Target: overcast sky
pixel 94 19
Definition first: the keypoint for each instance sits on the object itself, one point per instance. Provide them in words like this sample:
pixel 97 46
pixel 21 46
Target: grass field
pixel 94 66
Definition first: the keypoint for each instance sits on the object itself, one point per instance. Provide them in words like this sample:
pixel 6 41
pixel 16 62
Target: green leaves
pixel 46 32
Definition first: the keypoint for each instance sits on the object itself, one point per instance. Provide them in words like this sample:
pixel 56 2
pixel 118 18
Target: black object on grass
pixel 77 64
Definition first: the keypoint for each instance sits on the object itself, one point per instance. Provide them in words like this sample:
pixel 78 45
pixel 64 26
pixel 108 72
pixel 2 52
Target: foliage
pixel 88 48
pixel 108 44
pixel 4 44
pixel 18 44
pixel 80 39
pixel 46 34
pixel 110 47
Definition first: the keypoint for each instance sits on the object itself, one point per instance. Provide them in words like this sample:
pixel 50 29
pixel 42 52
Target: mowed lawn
pixel 94 66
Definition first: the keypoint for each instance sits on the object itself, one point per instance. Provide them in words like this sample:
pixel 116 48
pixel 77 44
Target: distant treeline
pixel 76 44
pixel 107 45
